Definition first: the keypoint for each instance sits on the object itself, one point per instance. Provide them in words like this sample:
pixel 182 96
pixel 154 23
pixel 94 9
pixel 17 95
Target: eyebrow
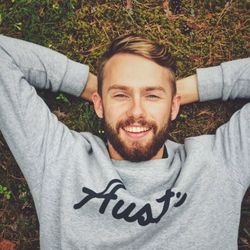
pixel 147 89
pixel 155 88
pixel 118 87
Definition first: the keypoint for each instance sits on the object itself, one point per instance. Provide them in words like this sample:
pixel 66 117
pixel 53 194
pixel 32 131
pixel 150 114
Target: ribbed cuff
pixel 75 78
pixel 210 83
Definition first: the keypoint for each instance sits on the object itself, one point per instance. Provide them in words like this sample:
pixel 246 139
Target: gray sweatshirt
pixel 85 200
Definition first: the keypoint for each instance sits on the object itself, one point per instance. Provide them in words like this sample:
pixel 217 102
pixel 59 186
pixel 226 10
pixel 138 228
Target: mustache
pixel 141 122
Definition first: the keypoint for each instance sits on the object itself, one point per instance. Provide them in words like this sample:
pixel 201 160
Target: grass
pixel 202 33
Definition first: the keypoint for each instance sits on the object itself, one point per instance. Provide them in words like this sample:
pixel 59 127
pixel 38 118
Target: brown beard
pixel 136 153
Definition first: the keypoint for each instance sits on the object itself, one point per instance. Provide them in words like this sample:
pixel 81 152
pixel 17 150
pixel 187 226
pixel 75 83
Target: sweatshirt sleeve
pixel 230 80
pixel 32 132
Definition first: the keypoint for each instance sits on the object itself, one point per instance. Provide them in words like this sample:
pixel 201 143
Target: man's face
pixel 136 106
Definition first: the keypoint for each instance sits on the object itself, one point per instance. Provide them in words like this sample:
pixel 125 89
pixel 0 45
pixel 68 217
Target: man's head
pixel 136 97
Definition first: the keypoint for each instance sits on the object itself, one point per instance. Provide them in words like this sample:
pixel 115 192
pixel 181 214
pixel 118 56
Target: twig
pixel 129 5
pixel 17 178
pixel 245 230
pixel 166 8
pixel 224 11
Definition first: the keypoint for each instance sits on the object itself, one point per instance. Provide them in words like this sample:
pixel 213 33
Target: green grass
pixel 204 33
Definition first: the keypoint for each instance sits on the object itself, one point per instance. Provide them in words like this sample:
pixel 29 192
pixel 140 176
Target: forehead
pixel 134 72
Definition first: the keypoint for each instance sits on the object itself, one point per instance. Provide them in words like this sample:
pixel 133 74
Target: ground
pixel 198 34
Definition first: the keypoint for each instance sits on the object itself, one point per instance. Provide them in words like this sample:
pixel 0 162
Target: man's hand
pixel 187 88
pixel 90 88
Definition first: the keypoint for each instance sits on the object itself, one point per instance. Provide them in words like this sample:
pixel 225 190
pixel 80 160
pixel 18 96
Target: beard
pixel 136 152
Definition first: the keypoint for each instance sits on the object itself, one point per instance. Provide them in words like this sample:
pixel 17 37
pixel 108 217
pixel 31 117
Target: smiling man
pixel 140 190
pixel 136 98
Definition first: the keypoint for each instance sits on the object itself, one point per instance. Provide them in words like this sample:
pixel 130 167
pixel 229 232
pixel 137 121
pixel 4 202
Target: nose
pixel 137 108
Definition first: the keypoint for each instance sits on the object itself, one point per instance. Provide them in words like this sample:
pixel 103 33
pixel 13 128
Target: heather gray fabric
pixel 85 200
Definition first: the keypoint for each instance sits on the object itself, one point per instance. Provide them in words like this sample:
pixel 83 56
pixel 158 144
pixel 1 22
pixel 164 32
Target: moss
pixel 202 33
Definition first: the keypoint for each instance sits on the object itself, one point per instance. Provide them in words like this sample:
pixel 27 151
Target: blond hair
pixel 138 45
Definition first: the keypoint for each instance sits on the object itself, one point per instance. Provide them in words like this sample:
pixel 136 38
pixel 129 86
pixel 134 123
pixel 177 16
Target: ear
pixel 97 101
pixel 176 102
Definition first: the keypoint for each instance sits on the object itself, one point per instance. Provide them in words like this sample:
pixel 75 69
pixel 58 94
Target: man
pixel 140 191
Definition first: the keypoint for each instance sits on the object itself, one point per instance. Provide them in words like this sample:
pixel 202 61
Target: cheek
pixel 114 113
pixel 159 113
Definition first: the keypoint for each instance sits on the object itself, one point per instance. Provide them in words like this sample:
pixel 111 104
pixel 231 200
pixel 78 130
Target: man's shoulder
pixel 92 139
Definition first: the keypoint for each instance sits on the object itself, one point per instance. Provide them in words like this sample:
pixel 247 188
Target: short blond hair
pixel 138 45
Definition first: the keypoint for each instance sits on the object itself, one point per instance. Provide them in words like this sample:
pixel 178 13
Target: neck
pixel 116 156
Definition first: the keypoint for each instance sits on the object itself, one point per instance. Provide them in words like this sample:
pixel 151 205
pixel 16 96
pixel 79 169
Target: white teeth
pixel 136 129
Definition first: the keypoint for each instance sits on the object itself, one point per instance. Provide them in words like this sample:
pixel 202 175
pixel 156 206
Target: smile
pixel 136 132
pixel 136 129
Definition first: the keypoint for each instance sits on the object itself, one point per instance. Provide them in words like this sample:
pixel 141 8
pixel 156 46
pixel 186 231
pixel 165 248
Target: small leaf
pixel 55 6
pixel 183 117
pixel 18 26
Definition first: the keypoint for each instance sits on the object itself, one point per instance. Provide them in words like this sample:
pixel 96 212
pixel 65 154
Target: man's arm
pixel 34 135
pixel 90 88
pixel 217 82
pixel 47 69
pixel 230 80
pixel 187 88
